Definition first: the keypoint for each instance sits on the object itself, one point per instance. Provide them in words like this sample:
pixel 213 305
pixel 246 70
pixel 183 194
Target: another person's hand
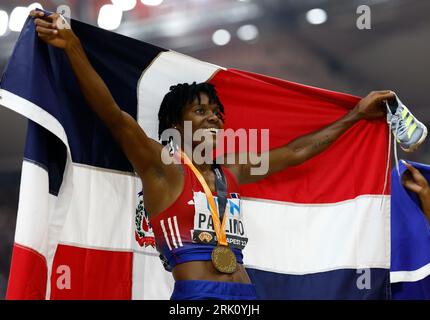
pixel 372 106
pixel 414 181
pixel 53 29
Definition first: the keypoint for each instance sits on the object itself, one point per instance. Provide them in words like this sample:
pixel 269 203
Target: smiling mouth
pixel 212 130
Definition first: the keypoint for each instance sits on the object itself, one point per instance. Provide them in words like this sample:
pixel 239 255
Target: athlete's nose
pixel 213 117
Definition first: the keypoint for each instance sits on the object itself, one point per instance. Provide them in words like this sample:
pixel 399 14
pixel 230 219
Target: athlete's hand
pixel 372 106
pixel 414 181
pixel 53 29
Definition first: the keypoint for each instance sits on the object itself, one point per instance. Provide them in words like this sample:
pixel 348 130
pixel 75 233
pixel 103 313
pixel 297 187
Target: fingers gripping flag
pixel 316 231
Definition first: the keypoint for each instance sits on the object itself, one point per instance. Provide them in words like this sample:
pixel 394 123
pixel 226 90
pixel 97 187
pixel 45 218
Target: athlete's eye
pixel 200 110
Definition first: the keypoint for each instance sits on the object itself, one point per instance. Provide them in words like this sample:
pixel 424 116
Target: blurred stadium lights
pixel 125 5
pixel 175 28
pixel 152 2
pixel 20 14
pixel 35 5
pixel 221 37
pixel 4 19
pixel 248 32
pixel 17 18
pixel 316 16
pixel 110 17
pixel 171 21
pixel 192 20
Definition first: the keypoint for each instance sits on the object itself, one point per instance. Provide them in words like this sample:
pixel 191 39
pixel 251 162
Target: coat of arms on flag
pixel 143 232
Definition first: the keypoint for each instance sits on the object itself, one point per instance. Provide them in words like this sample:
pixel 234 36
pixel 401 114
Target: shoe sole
pixel 415 146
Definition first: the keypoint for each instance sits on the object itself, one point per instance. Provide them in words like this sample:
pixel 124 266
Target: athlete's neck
pixel 203 168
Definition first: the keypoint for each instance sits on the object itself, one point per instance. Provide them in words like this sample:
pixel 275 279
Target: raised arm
pixel 308 146
pixel 138 148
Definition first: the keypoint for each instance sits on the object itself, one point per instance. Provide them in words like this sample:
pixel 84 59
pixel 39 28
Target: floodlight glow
pixel 125 5
pixel 4 19
pixel 152 2
pixel 316 16
pixel 35 5
pixel 221 37
pixel 17 18
pixel 247 32
pixel 109 17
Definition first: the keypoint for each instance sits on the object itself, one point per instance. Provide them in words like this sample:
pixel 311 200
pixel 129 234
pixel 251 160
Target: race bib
pixel 203 231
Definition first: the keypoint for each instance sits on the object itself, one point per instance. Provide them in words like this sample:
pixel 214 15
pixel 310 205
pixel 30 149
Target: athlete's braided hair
pixel 178 97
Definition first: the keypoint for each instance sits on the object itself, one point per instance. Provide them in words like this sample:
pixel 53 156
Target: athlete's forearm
pixel 91 84
pixel 310 145
pixel 305 147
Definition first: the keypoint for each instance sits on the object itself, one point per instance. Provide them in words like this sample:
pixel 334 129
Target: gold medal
pixel 224 259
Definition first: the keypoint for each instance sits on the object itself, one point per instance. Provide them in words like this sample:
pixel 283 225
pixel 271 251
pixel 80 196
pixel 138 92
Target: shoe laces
pixel 399 124
pixel 387 166
pixel 400 129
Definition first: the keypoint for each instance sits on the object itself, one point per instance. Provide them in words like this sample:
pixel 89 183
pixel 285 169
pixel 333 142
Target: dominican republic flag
pixel 320 230
pixel 410 240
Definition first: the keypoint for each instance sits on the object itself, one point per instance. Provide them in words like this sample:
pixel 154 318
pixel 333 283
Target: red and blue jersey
pixel 185 232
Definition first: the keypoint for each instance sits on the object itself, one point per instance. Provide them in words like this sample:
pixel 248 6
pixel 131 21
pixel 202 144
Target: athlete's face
pixel 205 117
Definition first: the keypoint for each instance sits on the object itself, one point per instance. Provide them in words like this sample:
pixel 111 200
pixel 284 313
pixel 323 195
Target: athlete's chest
pixel 210 180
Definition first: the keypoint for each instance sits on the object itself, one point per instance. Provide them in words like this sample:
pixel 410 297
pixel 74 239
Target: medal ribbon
pixel 219 230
